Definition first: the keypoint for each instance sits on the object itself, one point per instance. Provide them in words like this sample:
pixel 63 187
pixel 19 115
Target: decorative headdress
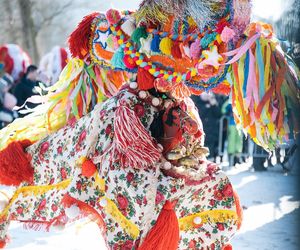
pixel 182 47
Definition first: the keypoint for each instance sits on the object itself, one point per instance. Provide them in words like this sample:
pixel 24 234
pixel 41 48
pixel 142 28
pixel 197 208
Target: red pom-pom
pixel 227 247
pixel 129 62
pixel 88 168
pixel 113 16
pixel 144 79
pixel 15 164
pixel 79 39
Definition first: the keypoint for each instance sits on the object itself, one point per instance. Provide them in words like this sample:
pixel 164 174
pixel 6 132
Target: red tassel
pixel 133 146
pixel 165 233
pixel 15 164
pixel 88 168
pixel 79 39
pixel 175 51
pixel 144 79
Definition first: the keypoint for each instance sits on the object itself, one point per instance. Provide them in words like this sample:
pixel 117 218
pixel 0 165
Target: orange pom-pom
pixel 88 168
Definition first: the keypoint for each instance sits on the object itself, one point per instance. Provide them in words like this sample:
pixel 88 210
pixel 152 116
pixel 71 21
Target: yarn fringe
pixel 79 39
pixel 132 143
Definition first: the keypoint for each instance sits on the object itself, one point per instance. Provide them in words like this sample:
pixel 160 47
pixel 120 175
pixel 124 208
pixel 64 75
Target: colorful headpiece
pixel 181 47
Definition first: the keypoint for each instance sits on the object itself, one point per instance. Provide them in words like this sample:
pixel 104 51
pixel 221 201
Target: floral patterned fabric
pixel 128 199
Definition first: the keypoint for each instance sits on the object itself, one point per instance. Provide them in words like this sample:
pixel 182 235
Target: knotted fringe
pixel 15 164
pixel 79 39
pixel 132 145
pixel 164 235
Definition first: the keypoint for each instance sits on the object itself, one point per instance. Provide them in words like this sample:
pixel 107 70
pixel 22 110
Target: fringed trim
pixel 85 209
pixel 79 39
pixel 33 190
pixel 111 208
pixel 132 145
pixel 211 216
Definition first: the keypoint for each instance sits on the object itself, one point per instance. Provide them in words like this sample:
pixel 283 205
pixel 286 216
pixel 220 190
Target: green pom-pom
pixel 139 33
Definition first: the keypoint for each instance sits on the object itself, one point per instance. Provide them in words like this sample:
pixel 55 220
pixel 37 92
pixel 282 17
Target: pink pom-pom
pixel 113 16
pixel 195 49
pixel 227 34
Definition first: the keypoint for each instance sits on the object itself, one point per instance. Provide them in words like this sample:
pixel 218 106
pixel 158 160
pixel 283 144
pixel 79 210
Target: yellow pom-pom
pixel 152 71
pixel 165 46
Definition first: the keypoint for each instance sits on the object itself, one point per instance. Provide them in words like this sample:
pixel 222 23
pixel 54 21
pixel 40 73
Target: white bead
pixel 72 212
pixel 133 85
pixel 155 101
pixel 103 202
pixel 142 94
pixel 167 165
pixel 197 220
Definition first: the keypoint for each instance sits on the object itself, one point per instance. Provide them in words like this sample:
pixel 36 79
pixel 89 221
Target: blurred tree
pixel 23 20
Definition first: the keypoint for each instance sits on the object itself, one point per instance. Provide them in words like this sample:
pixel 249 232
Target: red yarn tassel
pixel 165 233
pixel 79 39
pixel 133 146
pixel 15 164
pixel 175 51
pixel 144 79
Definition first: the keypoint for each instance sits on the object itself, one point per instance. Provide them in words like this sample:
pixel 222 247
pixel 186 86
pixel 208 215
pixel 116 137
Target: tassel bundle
pixel 265 96
pixel 79 39
pixel 15 166
pixel 117 60
pixel 165 233
pixel 144 79
pixel 132 145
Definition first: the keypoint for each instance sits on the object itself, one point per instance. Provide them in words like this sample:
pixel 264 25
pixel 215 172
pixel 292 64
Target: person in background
pixel 208 105
pixel 25 88
pixel 235 139
pixel 7 101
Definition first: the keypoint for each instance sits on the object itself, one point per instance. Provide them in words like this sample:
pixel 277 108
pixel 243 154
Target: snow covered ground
pixel 271 217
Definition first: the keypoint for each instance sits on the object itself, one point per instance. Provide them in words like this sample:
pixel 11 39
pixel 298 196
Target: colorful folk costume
pixel 118 139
